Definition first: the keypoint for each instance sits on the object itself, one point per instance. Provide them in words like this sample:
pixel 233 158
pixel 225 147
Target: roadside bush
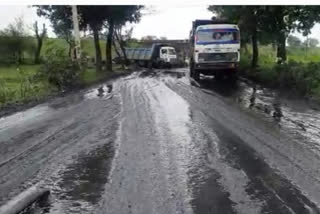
pixel 5 93
pixel 59 69
pixel 299 75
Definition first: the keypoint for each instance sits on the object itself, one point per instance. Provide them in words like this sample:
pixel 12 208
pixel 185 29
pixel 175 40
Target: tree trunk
pixel 245 47
pixel 38 51
pixel 255 50
pixel 281 48
pixel 19 56
pixel 70 50
pixel 122 49
pixel 97 48
pixel 108 46
pixel 117 52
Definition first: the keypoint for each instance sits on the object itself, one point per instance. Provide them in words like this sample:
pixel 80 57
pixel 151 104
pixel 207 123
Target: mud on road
pixel 156 142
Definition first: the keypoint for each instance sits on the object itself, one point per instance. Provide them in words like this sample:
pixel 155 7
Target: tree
pixel 248 18
pixel 163 38
pixel 39 37
pixel 282 20
pixel 122 39
pixel 294 41
pixel 270 24
pixel 15 40
pixel 117 17
pixel 311 42
pixel 96 17
pixel 61 20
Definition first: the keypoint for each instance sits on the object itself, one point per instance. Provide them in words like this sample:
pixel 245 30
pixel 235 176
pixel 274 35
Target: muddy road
pixel 156 142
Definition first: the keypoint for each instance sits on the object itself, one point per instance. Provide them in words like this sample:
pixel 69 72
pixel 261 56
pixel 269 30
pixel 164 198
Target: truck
pixel 158 56
pixel 214 48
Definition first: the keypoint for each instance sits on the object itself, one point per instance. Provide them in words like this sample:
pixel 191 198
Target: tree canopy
pixel 294 41
pixel 95 18
pixel 269 24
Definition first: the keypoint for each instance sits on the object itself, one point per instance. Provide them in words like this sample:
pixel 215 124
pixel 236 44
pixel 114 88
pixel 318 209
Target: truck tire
pixel 149 66
pixel 219 76
pixel 232 76
pixel 196 75
pixel 191 68
pixel 193 72
pixel 161 64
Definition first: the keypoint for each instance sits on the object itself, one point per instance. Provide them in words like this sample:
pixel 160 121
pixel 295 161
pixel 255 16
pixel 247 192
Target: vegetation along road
pixel 158 142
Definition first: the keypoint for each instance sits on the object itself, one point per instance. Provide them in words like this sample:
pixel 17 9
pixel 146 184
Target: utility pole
pixel 76 33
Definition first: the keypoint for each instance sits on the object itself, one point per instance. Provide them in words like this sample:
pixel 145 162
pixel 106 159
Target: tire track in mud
pixel 75 131
pixel 176 149
pixel 296 201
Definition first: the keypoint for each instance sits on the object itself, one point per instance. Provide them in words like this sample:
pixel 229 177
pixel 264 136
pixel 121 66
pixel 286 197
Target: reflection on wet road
pixel 154 142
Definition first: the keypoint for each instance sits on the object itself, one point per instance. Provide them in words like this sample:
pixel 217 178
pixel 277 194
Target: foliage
pixel 311 42
pixel 18 83
pixel 15 41
pixel 59 69
pixel 118 16
pixel 294 41
pixel 272 23
pixel 61 20
pixel 39 37
pixel 301 74
pixel 96 17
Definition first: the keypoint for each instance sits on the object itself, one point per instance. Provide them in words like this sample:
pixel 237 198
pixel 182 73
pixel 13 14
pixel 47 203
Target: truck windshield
pixel 172 52
pixel 214 36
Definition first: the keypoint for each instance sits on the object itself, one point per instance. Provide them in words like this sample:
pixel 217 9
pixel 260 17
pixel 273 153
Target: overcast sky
pixel 173 22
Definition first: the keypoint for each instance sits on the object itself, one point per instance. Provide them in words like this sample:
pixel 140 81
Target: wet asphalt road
pixel 156 142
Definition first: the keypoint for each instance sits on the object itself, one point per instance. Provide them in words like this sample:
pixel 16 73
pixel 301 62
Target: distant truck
pixel 158 56
pixel 215 48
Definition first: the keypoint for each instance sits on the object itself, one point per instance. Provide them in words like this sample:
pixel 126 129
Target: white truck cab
pixel 215 49
pixel 167 54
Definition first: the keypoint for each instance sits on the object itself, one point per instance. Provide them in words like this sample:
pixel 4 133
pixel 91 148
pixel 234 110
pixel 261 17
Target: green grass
pixel 18 84
pixel 91 76
pixel 304 55
pixel 87 46
pixel 301 73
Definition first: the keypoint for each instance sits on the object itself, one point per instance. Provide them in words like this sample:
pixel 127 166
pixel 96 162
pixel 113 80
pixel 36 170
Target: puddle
pixel 29 115
pixel 79 187
pixel 291 114
pixel 102 91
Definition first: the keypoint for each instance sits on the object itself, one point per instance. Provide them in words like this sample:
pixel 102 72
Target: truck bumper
pixel 222 66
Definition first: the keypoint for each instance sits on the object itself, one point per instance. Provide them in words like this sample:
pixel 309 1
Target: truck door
pixel 163 54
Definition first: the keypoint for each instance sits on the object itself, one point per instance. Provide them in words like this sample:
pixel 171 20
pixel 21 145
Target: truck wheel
pixel 218 76
pixel 191 67
pixel 161 64
pixel 232 76
pixel 196 75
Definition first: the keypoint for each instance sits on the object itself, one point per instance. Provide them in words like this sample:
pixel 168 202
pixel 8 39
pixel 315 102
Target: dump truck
pixel 214 48
pixel 158 56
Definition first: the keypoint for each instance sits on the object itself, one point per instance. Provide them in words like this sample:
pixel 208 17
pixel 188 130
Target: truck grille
pixel 218 57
